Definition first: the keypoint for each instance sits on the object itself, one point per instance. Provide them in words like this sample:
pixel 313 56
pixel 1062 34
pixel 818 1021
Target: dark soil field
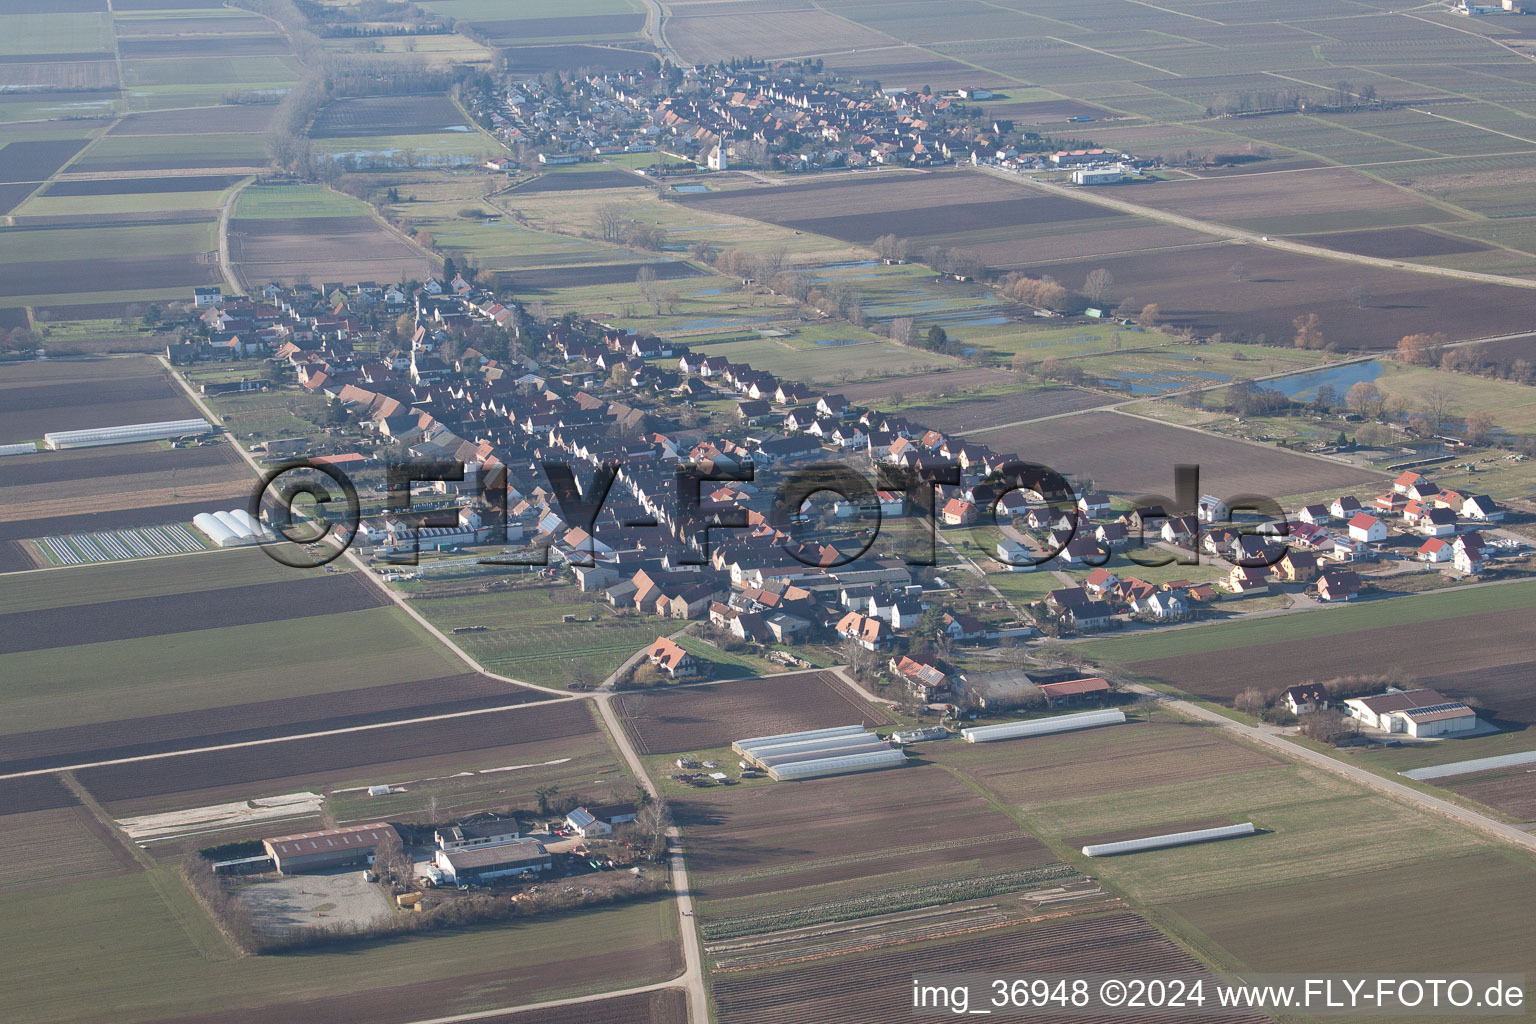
pixel 165 5
pixel 13 317
pixel 590 26
pixel 34 793
pixel 536 59
pixel 1485 656
pixel 386 115
pixel 876 985
pixel 1195 288
pixel 92 311
pixel 204 46
pixel 79 467
pixel 716 715
pixel 36 161
pixel 571 181
pixel 314 238
pixel 239 723
pixel 860 209
pixel 170 162
pixel 197 121
pixel 774 840
pixel 165 26
pixel 111 519
pixel 301 759
pixel 1131 456
pixel 13 558
pixel 961 415
pixel 577 277
pixel 1396 243
pixel 48 276
pixel 1511 790
pixel 30 410
pixel 58 96
pixel 137 186
pixel 178 613
pixel 12 194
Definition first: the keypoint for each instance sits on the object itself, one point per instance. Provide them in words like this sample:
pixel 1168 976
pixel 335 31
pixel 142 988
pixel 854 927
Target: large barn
pixel 331 848
pixel 1413 712
pixel 482 863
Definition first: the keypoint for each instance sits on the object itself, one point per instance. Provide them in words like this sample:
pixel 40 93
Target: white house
pixel 1435 551
pixel 1367 529
pixel 1162 605
pixel 1016 556
pixel 1483 509
pixel 1212 509
pixel 1437 522
pixel 1344 507
pixel 585 824
pixel 1315 515
pixel 1300 700
pixel 1093 504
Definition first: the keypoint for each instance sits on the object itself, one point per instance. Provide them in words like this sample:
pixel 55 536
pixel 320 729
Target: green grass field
pixel 215 667
pixel 55 33
pixel 526 639
pixel 283 202
pixel 85 243
pixel 1434 607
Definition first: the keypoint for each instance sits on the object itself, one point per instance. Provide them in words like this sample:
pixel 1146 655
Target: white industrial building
pixel 1203 835
pixel 818 752
pixel 26 448
pixel 1042 726
pixel 231 529
pixel 1417 713
pixel 127 434
pixel 1098 175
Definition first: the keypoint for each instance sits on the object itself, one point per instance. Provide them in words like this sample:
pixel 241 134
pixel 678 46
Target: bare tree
pixel 1240 272
pixel 771 261
pixel 390 861
pixel 645 280
pixel 1098 284
pixel 1479 426
pixel 610 220
pixel 653 819
pixel 1365 400
pixel 1437 404
pixel 1360 295
pixel 1309 331
pixel 1149 316
pixel 903 330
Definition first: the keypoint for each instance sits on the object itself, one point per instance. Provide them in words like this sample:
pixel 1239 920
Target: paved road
pixel 1272 737
pixel 656 31
pixel 225 266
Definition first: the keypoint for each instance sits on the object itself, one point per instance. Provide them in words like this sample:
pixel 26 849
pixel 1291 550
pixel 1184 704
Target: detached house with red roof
pixel 1367 529
pixel 670 658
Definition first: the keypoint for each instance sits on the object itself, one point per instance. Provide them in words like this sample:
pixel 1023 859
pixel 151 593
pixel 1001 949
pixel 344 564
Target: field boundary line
pixel 268 741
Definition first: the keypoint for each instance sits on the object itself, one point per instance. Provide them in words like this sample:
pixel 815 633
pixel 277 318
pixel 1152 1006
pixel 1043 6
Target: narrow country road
pixel 656 31
pixel 225 266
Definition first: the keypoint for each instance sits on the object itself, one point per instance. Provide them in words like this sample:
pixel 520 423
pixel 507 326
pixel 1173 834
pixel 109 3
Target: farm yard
pixel 717 714
pixel 1132 456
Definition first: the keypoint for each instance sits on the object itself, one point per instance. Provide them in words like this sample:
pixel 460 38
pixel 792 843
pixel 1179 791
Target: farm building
pixel 126 434
pixel 803 755
pixel 1042 726
pixel 1098 175
pixel 329 848
pixel 1075 691
pixel 477 833
pixel 483 863
pixel 25 448
pixel 585 824
pixel 1416 713
pixel 231 529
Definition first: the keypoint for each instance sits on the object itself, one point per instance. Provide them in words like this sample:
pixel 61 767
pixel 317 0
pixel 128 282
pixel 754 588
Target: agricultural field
pixel 78 395
pixel 525 637
pixel 717 714
pixel 1477 652
pixel 876 983
pixel 163 960
pixel 288 232
pixel 1131 456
